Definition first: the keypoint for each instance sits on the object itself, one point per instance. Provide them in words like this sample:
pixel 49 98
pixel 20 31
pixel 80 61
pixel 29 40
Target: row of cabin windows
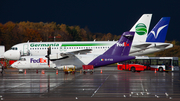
pixel 41 48
pixel 71 48
pixel 83 47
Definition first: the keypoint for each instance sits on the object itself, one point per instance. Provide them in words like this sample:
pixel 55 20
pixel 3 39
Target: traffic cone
pixel 101 71
pixel 42 72
pixel 25 71
pixel 155 71
pixel 56 71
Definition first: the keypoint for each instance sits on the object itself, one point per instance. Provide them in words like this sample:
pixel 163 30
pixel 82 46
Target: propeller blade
pixel 48 53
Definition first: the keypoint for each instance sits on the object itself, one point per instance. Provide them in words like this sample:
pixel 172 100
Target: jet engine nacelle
pixel 12 55
pixel 55 56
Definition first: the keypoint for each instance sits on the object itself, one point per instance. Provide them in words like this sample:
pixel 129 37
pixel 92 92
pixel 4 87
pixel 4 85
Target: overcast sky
pixel 104 16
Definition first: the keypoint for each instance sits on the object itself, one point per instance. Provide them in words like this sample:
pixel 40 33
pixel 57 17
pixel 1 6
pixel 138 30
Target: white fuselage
pixel 41 62
pixel 98 47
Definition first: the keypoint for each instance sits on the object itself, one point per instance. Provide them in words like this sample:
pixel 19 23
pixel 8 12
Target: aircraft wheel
pixel 21 71
pixel 160 69
pixel 133 69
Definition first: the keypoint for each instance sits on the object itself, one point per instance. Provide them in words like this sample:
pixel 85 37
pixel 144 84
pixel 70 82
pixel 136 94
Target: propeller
pixel 48 53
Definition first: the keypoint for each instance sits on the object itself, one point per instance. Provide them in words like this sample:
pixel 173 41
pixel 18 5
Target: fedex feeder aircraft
pixel 141 44
pixel 116 53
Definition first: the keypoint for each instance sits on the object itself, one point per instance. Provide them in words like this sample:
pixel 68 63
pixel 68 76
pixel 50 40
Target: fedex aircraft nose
pixel 13 65
pixel 12 55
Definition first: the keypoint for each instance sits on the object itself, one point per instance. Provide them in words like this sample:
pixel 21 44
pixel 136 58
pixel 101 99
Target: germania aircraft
pixel 117 53
pixel 98 47
pixel 94 47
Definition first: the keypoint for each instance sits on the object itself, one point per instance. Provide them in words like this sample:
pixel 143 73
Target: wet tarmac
pixel 108 85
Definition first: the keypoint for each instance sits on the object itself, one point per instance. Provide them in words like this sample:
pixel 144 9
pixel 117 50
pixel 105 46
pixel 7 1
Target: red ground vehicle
pixel 131 67
pixel 87 68
pixel 6 63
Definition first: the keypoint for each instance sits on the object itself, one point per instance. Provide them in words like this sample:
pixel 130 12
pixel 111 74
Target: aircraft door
pixel 25 49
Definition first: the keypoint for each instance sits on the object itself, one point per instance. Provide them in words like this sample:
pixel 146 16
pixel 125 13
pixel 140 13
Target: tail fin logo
pixel 124 44
pixel 158 31
pixel 141 29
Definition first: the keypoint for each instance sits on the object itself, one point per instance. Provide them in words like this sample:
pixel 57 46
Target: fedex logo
pixel 40 60
pixel 123 44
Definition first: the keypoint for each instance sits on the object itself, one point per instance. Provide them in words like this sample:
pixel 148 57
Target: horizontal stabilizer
pixel 163 46
pixel 142 46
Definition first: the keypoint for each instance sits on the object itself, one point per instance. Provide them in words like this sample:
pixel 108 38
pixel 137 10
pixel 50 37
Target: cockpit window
pixel 13 48
pixel 22 59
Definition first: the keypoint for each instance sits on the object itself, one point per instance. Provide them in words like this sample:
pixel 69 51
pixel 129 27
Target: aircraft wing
pixel 60 56
pixel 84 51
